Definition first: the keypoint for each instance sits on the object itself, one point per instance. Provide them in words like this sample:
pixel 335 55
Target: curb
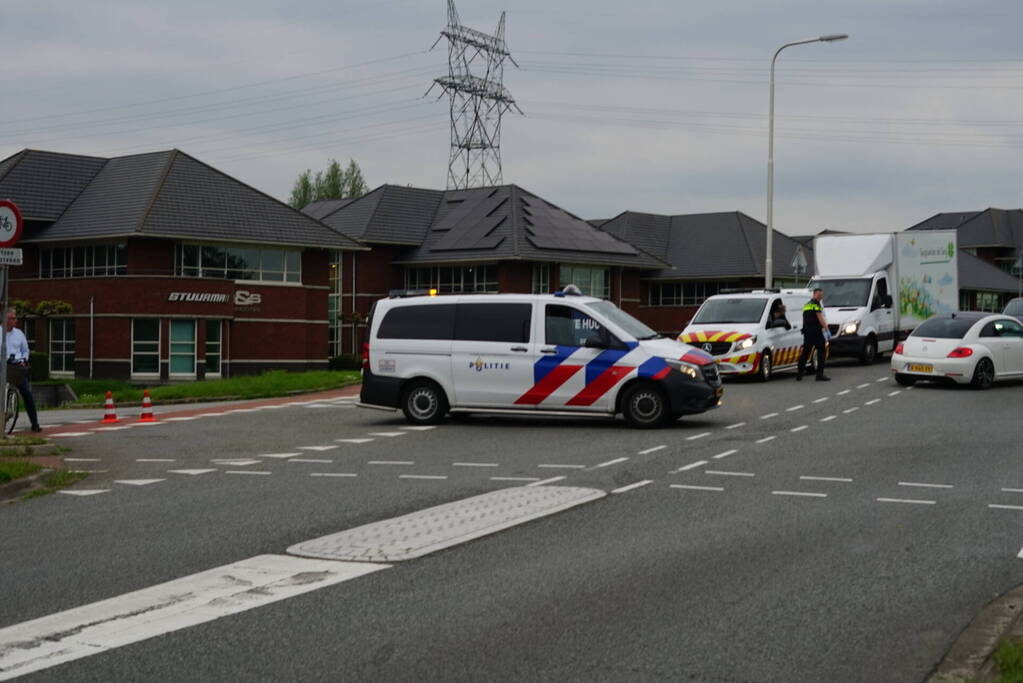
pixel 12 490
pixel 969 658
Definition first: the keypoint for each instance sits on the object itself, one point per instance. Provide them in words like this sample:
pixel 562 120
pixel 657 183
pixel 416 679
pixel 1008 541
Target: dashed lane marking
pixel 609 463
pixel 798 407
pixel 354 440
pixel 476 464
pixel 804 494
pixel 138 482
pixel 798 429
pixel 421 476
pixel 515 479
pixel 561 467
pixel 391 462
pixel 694 437
pixel 542 482
pixel 317 448
pixel 279 455
pixel 725 454
pixel 829 418
pixel 84 492
pixel 81 459
pixel 690 466
pixel 630 487
pixel 872 402
pixel 69 434
pixel 235 462
pixel 155 460
pixel 90 471
pixel 419 428
pixel 895 393
pixel 861 386
pixel 651 450
pixel 851 410
pixel 726 473
pixel 190 472
pixel 767 438
pixel 925 486
pixel 332 474
pixel 246 472
pixel 881 379
pixel 1013 490
pixel 911 501
pixel 820 400
pixel 388 434
pixel 768 416
pixel 843 393
pixel 844 480
pixel 736 425
pixel 1020 555
pixel 992 505
pixel 690 487
pixel 314 460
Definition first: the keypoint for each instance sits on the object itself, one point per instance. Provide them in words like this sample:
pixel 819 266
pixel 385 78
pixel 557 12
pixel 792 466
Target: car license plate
pixel 917 367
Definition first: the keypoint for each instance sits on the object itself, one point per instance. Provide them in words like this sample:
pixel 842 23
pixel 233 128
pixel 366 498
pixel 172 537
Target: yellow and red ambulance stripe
pixel 712 336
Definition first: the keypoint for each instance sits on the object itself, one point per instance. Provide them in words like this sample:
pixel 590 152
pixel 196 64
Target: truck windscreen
pixel 716 311
pixel 851 292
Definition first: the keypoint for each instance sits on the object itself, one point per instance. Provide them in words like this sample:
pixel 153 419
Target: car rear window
pixel 433 321
pixel 944 328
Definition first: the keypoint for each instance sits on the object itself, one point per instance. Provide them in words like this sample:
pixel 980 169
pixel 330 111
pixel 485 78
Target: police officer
pixel 814 329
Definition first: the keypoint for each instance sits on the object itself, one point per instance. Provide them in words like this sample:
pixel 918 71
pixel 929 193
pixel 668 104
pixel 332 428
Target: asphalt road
pixel 805 531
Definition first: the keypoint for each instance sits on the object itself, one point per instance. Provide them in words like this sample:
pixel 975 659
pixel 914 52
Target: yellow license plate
pixel 915 367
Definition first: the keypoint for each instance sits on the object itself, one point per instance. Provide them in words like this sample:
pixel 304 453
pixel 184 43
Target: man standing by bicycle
pixel 17 354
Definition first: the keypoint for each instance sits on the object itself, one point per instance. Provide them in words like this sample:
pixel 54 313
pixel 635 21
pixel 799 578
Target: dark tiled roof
pixel 720 245
pixel 43 184
pixel 389 214
pixel 988 228
pixel 171 194
pixel 977 274
pixel 325 207
pixel 945 221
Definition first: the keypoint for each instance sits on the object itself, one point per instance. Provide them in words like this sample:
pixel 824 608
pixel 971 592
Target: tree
pixel 332 183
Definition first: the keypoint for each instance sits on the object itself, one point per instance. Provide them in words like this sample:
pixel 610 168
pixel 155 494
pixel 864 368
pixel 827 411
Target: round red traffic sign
pixel 10 223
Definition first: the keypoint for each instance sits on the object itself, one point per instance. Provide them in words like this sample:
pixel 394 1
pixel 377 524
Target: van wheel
pixel 869 353
pixel 904 380
pixel 984 374
pixel 766 367
pixel 424 403
pixel 643 406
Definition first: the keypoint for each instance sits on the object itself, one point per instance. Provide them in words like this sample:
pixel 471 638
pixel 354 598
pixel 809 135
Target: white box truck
pixel 878 287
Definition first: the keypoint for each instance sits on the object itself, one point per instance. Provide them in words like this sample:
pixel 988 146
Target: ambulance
pixel 754 333
pixel 529 354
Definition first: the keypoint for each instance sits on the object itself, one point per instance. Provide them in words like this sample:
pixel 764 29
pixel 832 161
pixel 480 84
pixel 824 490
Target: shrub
pixel 345 361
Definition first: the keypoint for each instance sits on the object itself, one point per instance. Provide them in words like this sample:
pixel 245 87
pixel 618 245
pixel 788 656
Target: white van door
pixel 567 373
pixel 492 353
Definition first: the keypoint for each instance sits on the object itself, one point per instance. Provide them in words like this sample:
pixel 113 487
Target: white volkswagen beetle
pixel 966 348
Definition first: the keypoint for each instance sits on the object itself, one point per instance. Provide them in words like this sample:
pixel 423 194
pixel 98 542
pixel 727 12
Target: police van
pixel 755 333
pixel 558 353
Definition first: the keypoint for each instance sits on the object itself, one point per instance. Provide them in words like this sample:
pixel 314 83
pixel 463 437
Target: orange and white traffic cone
pixel 109 416
pixel 147 408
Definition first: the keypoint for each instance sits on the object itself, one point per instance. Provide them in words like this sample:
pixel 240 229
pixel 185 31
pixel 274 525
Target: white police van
pixel 527 353
pixel 742 332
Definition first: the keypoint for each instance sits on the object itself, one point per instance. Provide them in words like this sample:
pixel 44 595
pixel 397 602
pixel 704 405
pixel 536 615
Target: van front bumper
pixel 688 397
pixel 846 345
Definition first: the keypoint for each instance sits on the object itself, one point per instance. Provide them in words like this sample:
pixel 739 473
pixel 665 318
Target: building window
pixel 334 305
pixel 471 278
pixel 62 346
pixel 182 347
pixel 213 346
pixel 89 260
pixel 989 301
pixel 542 278
pixel 591 280
pixel 690 293
pixel 145 347
pixel 238 263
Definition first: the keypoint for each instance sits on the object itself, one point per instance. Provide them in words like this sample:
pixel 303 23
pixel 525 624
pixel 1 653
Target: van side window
pixel 566 326
pixel 433 321
pixel 493 322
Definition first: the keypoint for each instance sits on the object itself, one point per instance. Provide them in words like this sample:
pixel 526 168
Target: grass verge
pixel 56 481
pixel 268 384
pixel 1009 658
pixel 16 469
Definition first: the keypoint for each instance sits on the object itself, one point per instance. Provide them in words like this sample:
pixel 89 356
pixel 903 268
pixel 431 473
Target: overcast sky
pixel 653 105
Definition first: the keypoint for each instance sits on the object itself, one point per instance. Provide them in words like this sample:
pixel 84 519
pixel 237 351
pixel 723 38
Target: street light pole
pixel 769 259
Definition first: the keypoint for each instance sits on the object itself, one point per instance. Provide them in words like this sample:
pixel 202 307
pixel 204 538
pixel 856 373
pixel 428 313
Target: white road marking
pixel 90 471
pixel 881 379
pixel 354 440
pixel 317 448
pixel 820 400
pixel 805 494
pixel 322 405
pixel 766 439
pixel 926 486
pixel 768 416
pixel 155 460
pixel 190 472
pixel 67 434
pixel 188 601
pixel 561 467
pixel 332 474
pixel 851 410
pixel 81 459
pixel 609 463
pixel 138 482
pixel 865 384
pixel 895 393
pixel 906 500
pixel 689 487
pixel 76 492
pixel 183 418
pixel 872 402
pixel 1013 490
pixel 515 479
pixel 279 455
pixel 694 437
pixel 725 454
pixel 841 479
pixel 651 450
pixel 999 507
pixel 829 418
pixel 110 429
pixel 545 481
pixel 730 474
pixel 388 433
pixel 419 428
pixel 798 429
pixel 315 460
pixel 843 393
pixel 692 465
pixel 633 486
pixel 1020 555
pixel 147 424
pixel 736 425
pixel 798 407
pixel 234 462
pixel 421 476
pixel 245 472
pixel 476 464
pixel 391 462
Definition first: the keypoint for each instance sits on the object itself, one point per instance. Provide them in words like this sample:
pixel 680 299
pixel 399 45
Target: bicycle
pixel 15 374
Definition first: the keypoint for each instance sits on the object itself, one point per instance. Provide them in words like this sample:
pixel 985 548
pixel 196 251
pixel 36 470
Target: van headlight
pixel 746 343
pixel 851 327
pixel 690 370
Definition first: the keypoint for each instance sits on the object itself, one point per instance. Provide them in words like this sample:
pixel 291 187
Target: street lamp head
pixel 832 38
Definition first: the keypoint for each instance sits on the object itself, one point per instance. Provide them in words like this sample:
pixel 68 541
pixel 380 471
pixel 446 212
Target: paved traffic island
pixel 31 466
